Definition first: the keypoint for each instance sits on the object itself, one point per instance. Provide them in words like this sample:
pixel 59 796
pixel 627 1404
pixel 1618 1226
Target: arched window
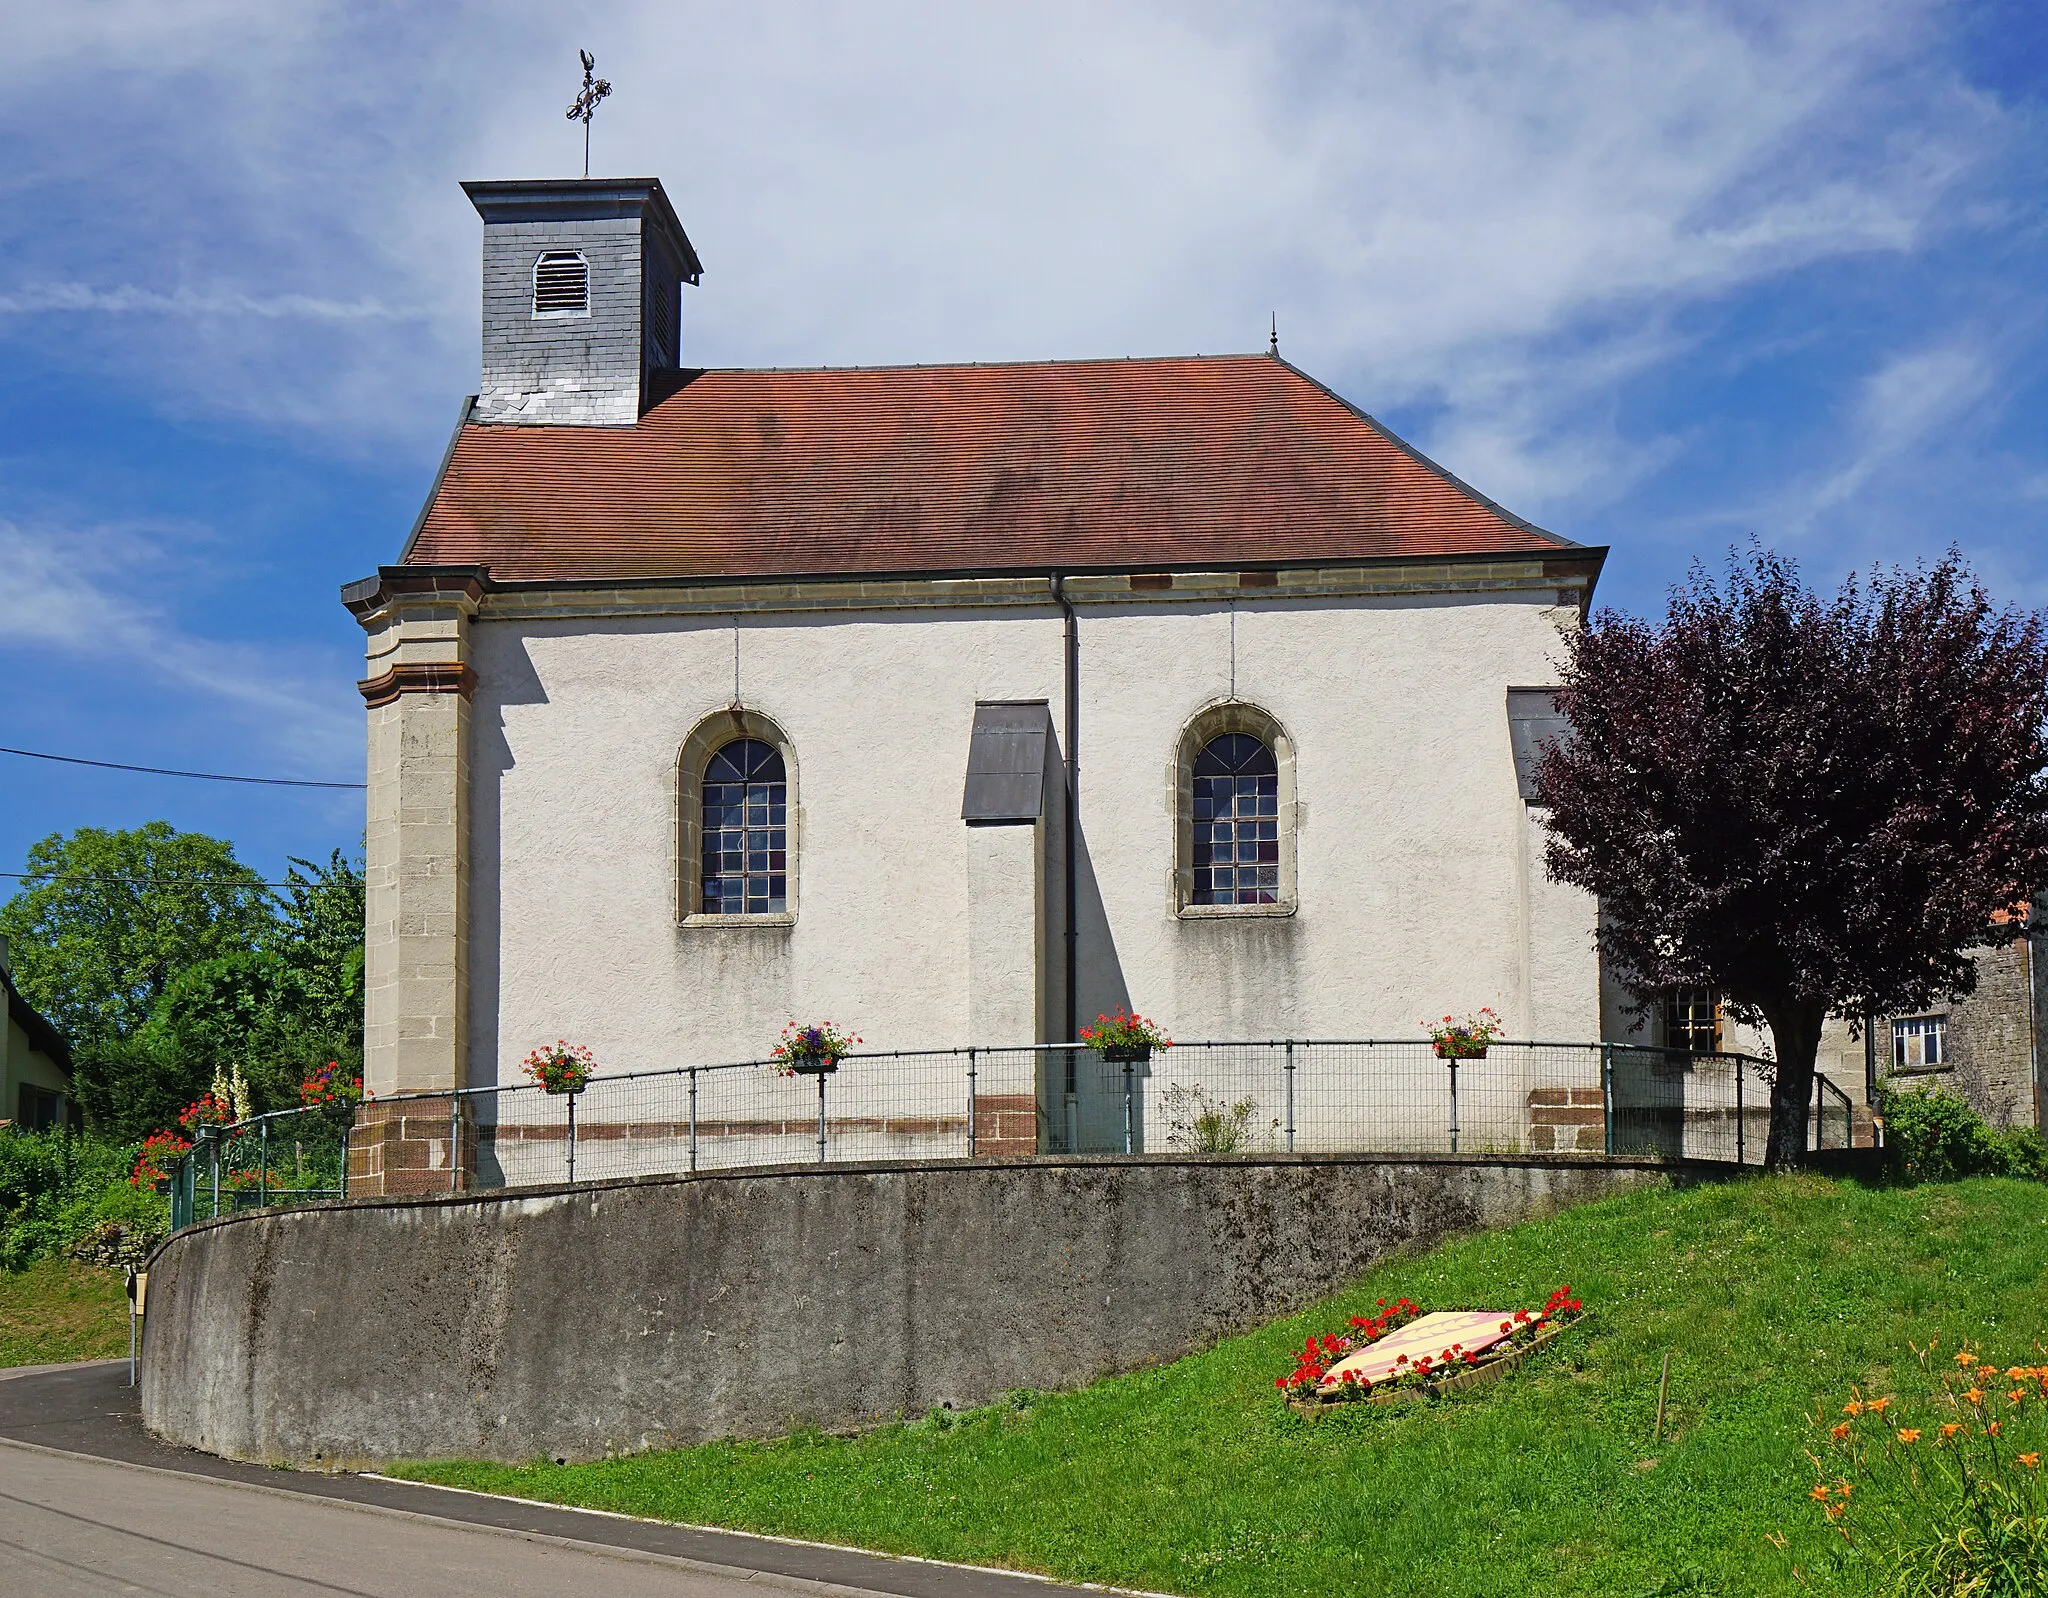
pixel 1237 822
pixel 561 284
pixel 745 831
pixel 1234 814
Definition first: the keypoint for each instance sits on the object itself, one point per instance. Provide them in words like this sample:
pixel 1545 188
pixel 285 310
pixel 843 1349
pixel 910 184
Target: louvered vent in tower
pixel 561 284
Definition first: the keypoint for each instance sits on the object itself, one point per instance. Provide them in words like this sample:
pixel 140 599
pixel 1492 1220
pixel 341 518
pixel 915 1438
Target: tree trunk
pixel 1795 1036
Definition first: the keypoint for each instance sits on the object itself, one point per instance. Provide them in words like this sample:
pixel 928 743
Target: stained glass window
pixel 1237 822
pixel 746 830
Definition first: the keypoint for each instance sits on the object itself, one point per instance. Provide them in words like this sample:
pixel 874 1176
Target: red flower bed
pixel 1311 1379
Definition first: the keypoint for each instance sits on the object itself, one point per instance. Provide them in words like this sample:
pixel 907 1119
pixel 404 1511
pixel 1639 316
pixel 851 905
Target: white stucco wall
pixel 1417 892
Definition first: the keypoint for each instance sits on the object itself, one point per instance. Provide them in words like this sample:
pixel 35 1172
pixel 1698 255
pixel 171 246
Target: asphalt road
pixel 72 1528
pixel 90 1503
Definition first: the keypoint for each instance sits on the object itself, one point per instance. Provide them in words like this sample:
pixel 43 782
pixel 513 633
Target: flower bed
pixel 1390 1357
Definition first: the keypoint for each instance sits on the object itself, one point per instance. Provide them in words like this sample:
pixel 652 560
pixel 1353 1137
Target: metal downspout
pixel 1070 736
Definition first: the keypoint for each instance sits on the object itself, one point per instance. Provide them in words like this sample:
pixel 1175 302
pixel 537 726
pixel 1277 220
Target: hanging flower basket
pixel 811 1050
pixel 1125 1038
pixel 331 1093
pixel 561 1067
pixel 1464 1040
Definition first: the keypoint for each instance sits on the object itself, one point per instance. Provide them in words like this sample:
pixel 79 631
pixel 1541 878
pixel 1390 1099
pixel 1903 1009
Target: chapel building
pixel 954 703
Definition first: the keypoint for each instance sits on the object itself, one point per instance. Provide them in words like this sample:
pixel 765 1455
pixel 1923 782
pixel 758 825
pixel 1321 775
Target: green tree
pixel 277 1010
pixel 105 920
pixel 165 959
pixel 318 938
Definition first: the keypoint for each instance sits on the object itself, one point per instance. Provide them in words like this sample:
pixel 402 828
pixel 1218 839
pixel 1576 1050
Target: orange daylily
pixel 1909 1434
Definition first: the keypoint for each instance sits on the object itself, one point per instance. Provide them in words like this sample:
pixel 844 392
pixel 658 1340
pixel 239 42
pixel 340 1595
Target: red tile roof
pixel 1209 461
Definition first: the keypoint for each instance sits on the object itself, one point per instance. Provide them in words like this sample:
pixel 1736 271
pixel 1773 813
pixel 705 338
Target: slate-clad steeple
pixel 582 299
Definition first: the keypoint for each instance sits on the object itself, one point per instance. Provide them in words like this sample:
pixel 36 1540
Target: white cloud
pixel 81 590
pixel 1906 401
pixel 1491 208
pixel 126 299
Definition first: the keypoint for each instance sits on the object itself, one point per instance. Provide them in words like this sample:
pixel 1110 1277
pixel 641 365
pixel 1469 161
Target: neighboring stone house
pixel 35 1064
pixel 957 703
pixel 1987 1047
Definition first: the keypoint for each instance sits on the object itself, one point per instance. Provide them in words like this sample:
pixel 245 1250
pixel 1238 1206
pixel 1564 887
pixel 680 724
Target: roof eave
pixel 1567 559
pixel 43 1035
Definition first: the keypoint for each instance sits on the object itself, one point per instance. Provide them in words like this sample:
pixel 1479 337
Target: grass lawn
pixel 1772 1296
pixel 60 1310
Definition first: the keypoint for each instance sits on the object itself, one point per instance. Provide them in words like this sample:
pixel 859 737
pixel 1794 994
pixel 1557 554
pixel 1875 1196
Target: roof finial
pixel 1273 336
pixel 594 90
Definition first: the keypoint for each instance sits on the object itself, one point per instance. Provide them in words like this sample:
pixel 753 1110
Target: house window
pixel 1237 822
pixel 746 830
pixel 1920 1043
pixel 1692 1020
pixel 561 284
pixel 39 1109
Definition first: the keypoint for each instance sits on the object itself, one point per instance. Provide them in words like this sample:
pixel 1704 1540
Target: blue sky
pixel 1658 277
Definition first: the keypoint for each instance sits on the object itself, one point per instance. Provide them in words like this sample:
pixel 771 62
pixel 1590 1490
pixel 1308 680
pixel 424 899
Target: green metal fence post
pixel 1739 1063
pixel 1127 1107
pixel 1607 1092
pixel 1290 1095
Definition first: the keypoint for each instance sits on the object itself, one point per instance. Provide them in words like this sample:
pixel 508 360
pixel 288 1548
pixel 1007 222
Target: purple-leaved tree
pixel 1814 805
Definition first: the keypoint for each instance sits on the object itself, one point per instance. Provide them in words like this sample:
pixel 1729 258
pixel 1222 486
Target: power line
pixel 165 771
pixel 149 882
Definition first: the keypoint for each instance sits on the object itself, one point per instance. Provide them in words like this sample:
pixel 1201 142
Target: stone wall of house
pixel 1991 1043
pixel 580 1322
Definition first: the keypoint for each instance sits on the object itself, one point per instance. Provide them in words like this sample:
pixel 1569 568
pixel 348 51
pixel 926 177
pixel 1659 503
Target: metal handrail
pixel 1339 1094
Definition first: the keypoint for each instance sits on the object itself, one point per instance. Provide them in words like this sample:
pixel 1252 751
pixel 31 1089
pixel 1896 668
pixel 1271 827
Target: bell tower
pixel 582 302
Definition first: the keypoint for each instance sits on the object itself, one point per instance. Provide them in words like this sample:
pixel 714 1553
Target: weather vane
pixel 594 90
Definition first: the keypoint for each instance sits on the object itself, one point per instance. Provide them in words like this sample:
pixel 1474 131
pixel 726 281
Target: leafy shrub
pixel 1937 1136
pixel 1199 1124
pixel 56 1187
pixel 2026 1153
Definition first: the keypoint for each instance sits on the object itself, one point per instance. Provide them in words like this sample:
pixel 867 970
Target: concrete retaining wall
pixel 577 1322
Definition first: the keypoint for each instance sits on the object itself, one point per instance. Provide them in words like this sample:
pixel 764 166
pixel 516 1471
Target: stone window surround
pixel 710 735
pixel 1213 721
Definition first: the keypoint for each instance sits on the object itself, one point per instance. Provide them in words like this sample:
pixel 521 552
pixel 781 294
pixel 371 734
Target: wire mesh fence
pixel 1275 1096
